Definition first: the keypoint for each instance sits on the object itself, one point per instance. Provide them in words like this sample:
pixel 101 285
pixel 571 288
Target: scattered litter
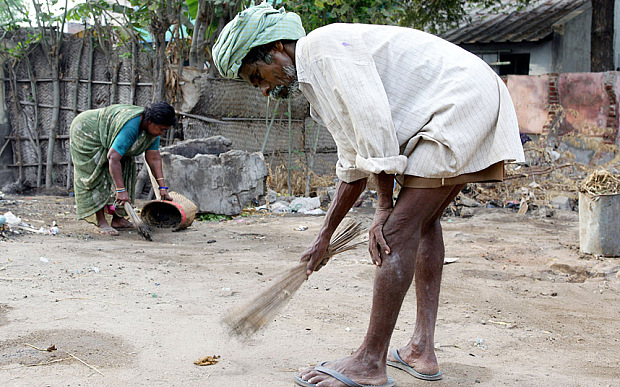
pixel 280 208
pixel 15 223
pixel 12 220
pixel 207 360
pixel 447 261
pixel 501 323
pixel 94 269
pixel 301 228
pixel 44 260
pixel 479 343
pixel 316 211
pixel 347 329
pixel 225 292
pixel 303 204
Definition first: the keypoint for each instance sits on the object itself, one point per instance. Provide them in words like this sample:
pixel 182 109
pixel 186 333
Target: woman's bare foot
pixel 107 230
pixel 120 222
pixel 364 374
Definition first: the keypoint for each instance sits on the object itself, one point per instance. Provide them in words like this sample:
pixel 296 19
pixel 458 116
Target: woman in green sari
pixel 104 143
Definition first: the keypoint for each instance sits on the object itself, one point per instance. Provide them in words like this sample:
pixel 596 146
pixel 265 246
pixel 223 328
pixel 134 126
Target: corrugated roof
pixel 529 24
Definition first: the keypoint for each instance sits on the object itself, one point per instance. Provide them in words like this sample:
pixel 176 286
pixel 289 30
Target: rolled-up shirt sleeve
pixel 354 105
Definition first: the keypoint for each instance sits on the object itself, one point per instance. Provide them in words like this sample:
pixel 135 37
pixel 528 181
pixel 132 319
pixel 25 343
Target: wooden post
pixel 89 93
pixel 13 83
pixel 290 150
pixel 134 64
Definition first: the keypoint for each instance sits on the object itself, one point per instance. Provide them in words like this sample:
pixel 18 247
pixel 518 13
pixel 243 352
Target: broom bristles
pixel 247 319
pixel 142 227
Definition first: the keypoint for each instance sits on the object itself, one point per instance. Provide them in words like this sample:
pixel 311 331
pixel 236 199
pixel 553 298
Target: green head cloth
pixel 255 26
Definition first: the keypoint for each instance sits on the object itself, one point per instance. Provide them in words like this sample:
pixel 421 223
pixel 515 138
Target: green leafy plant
pixel 209 217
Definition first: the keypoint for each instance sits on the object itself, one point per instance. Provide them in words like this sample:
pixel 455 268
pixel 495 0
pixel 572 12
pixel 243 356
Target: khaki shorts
pixel 494 173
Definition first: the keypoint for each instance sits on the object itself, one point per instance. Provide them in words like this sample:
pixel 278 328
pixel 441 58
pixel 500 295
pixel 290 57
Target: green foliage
pixel 434 16
pixel 208 217
pixel 12 12
pixel 317 13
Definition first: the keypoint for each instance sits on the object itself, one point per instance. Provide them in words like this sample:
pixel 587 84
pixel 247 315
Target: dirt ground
pixel 520 307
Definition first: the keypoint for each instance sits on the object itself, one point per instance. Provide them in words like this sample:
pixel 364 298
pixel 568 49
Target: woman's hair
pixel 160 113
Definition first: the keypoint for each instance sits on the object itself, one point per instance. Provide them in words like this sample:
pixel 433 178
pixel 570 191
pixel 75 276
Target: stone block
pixel 216 179
pixel 562 202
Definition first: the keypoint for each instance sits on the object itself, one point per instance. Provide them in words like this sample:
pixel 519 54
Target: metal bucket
pixel 177 214
pixel 599 224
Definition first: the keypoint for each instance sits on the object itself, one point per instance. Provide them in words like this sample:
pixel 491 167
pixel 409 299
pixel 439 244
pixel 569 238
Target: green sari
pixel 92 135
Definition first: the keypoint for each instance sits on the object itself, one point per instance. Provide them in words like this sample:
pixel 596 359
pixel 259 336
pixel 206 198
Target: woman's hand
pixel 315 254
pixel 122 198
pixel 164 195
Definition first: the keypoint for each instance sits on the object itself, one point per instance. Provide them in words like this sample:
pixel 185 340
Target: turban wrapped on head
pixel 255 26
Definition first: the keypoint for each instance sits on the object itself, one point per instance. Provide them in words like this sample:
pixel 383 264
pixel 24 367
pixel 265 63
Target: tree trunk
pixel 196 52
pixel 75 105
pixel 91 54
pixel 134 72
pixel 54 124
pixel 602 36
pixel 115 66
pixel 159 68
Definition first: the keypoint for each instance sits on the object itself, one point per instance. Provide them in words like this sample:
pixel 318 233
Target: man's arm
pixel 346 196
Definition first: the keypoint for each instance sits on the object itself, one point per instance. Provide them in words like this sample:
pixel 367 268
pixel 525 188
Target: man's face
pixel 277 79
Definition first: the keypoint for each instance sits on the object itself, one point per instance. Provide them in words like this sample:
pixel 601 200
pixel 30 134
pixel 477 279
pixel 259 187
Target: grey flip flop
pixel 338 376
pixel 402 365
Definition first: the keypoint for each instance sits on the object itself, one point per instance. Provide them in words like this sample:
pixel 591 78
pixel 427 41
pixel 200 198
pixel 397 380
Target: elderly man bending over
pixel 400 104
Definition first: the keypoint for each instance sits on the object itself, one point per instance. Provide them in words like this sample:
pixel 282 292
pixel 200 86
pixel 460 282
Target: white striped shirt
pixel 403 101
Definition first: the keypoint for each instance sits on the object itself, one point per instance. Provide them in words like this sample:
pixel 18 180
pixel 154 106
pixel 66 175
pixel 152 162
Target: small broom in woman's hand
pixel 142 228
pixel 249 318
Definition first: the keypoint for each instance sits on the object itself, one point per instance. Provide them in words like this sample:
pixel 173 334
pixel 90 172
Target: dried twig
pixel 15 279
pixel 49 362
pixel 37 348
pixel 86 364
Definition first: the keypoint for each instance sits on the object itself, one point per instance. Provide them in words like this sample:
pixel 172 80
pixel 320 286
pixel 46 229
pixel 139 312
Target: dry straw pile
pixel 601 182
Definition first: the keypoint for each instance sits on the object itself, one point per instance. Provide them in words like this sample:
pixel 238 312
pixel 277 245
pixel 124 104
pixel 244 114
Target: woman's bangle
pixel 163 187
pixel 121 190
pixel 160 178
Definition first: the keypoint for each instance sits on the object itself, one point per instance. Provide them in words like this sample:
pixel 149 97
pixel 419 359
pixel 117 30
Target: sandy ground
pixel 520 307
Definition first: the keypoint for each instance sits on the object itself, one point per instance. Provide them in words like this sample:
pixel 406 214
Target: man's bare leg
pixel 419 353
pixel 416 212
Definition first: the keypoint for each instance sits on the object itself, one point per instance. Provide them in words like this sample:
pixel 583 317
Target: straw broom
pixel 247 319
pixel 143 228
